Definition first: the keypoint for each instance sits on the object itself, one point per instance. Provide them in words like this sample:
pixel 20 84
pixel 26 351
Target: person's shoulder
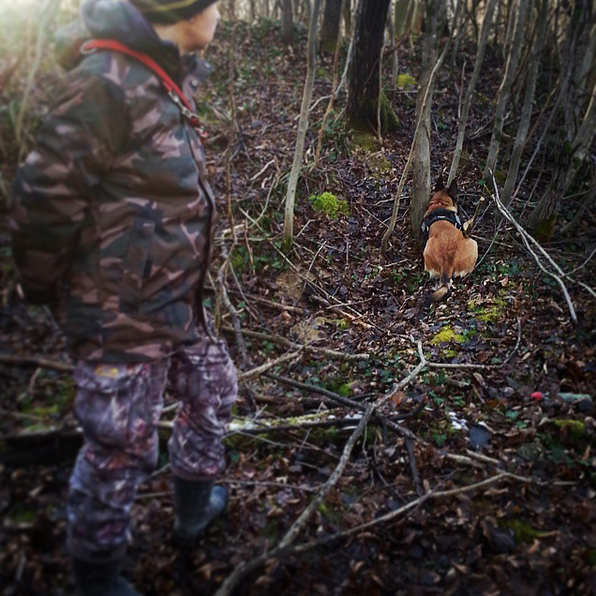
pixel 88 90
pixel 115 69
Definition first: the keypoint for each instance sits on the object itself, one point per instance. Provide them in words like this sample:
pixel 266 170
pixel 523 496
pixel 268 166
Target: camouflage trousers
pixel 118 407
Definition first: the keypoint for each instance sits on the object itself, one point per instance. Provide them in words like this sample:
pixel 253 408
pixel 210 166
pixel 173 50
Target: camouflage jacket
pixel 112 205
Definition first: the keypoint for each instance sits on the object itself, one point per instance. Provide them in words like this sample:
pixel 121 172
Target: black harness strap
pixel 440 214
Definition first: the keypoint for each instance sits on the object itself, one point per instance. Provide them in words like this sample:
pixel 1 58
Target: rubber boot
pixel 101 579
pixel 198 503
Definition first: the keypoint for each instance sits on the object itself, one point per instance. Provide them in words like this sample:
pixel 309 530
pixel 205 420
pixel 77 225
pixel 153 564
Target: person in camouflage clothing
pixel 112 224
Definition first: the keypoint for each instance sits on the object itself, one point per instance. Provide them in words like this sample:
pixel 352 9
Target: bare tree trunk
pixel 344 76
pixel 543 218
pixel 524 125
pixel 329 107
pixel 306 14
pixel 417 17
pixel 505 88
pixel 330 28
pixel 471 16
pixel 287 22
pixel 486 25
pixel 392 42
pixel 583 140
pixel 421 147
pixel 347 16
pixel 589 199
pixel 585 71
pixel 288 232
pixel 400 16
pixel 497 27
pixel 408 17
pixel 406 169
pixel 512 11
pixel 363 75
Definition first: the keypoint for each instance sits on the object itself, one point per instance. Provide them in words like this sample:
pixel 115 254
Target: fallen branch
pixel 414 467
pixel 27 361
pixel 277 305
pixel 256 426
pixel 34 361
pixel 401 510
pixel 339 399
pixel 262 171
pixel 257 430
pixel 235 482
pixel 231 583
pixel 336 397
pixel 235 317
pixel 404 382
pixel 244 569
pixel 475 460
pixel 331 482
pixel 355 319
pixel 282 341
pixel 527 239
pixel 263 368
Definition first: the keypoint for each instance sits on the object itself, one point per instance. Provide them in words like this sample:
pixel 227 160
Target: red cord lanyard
pixel 173 90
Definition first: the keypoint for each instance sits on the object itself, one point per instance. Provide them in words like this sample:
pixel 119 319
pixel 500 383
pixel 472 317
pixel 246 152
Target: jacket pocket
pixel 137 263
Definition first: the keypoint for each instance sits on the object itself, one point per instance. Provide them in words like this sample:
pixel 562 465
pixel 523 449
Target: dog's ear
pixel 452 190
pixel 439 184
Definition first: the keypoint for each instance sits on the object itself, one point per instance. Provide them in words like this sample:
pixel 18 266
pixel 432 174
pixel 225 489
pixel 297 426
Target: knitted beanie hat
pixel 170 11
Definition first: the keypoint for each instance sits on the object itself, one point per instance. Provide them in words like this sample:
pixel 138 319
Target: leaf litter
pixel 515 400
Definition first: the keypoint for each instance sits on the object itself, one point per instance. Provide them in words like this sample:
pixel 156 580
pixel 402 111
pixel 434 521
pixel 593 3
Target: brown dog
pixel 448 252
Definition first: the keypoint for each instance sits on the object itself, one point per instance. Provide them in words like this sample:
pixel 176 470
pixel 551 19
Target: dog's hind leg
pixel 443 289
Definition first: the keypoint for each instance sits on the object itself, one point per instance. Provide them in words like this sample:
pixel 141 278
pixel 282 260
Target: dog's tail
pixel 443 289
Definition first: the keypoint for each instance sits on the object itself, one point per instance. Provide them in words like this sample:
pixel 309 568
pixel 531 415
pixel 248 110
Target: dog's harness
pixel 440 214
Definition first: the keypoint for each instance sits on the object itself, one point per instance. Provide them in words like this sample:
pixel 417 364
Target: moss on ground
pixel 447 334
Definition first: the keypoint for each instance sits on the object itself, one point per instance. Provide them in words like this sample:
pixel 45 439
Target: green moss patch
pixel 329 204
pixel 405 80
pixel 445 335
pixel 576 429
pixel 523 532
pixel 365 141
pixel 490 312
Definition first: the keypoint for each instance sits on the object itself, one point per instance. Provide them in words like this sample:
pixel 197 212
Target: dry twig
pixel 38 362
pixel 282 341
pixel 263 368
pixel 404 382
pixel 527 239
pixel 230 584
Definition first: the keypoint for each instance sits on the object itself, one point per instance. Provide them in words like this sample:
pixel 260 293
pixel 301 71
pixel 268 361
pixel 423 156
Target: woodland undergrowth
pixel 475 472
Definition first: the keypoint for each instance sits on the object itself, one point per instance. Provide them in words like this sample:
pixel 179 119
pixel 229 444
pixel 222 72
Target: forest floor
pixel 512 411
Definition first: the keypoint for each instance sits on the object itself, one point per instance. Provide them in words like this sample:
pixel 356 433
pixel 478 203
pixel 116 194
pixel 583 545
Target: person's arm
pixel 53 187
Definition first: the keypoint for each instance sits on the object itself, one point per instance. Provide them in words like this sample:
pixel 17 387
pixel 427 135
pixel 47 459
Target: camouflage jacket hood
pixel 121 21
pixel 112 214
